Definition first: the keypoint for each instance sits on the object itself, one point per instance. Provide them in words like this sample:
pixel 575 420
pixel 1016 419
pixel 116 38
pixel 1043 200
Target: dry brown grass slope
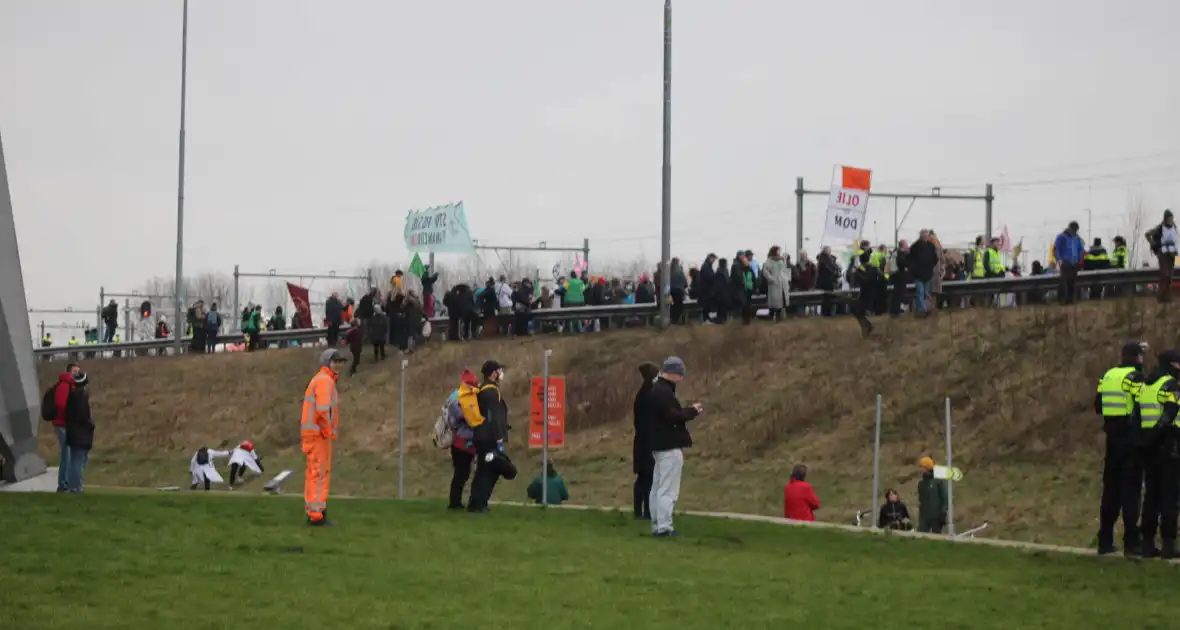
pixel 1021 384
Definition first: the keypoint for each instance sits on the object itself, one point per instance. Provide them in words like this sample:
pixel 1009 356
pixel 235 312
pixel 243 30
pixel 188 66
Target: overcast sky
pixel 313 126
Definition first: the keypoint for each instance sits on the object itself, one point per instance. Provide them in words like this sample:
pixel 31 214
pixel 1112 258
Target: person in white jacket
pixel 202 468
pixel 242 459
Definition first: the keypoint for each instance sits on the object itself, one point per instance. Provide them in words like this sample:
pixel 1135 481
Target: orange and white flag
pixel 847 204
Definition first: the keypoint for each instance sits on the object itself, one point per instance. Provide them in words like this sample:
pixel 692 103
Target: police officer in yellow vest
pixel 978 270
pixel 993 262
pixel 862 277
pixel 1118 258
pixel 879 272
pixel 1157 451
pixel 1121 478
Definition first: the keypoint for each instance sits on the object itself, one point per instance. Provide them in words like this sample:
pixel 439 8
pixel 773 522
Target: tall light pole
pixel 1089 223
pixel 177 323
pixel 666 233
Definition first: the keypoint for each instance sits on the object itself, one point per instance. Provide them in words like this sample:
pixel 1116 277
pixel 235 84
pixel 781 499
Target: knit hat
pixel 673 365
pixel 926 463
pixel 328 356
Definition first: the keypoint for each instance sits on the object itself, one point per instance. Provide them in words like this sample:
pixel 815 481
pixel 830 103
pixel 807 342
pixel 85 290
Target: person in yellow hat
pixel 932 499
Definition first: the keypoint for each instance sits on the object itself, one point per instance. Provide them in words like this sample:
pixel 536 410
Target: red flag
pixel 302 305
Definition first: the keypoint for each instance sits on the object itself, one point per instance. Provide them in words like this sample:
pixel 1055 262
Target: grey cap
pixel 673 365
pixel 329 355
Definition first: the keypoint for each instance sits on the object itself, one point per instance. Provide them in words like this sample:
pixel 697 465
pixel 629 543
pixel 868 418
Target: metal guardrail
pixel 951 289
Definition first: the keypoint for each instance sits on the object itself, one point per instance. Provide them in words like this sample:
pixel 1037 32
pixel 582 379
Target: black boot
pixel 1169 549
pixel 1149 550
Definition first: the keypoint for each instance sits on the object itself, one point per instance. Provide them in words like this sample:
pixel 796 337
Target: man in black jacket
pixel 922 261
pixel 667 436
pixel 488 438
pixel 643 465
pixel 79 431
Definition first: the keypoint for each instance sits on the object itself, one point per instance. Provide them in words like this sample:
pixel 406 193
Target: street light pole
pixel 666 232
pixel 177 323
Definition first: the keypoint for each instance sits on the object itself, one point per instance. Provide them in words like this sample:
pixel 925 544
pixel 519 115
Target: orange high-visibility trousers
pixel 318 479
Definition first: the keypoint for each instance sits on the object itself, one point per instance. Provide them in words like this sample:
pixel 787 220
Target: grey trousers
pixel 665 488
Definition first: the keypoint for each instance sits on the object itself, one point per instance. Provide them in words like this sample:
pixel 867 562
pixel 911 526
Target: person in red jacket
pixel 61 394
pixel 799 500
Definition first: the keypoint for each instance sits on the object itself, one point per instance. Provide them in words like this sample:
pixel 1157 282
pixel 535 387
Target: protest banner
pixel 440 229
pixel 847 205
pixel 556 412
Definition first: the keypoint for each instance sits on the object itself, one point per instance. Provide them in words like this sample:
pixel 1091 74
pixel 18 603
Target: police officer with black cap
pixel 1159 403
pixel 1122 478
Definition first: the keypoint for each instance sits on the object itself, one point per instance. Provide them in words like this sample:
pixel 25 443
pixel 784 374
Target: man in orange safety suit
pixel 318 427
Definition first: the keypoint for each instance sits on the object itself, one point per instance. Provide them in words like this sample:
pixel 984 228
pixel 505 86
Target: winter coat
pixel 778 283
pixel 556 492
pixel 79 423
pixel 923 260
pixel 670 427
pixel 804 276
pixel 799 501
pixel 364 308
pixel 893 515
pixel 61 396
pixel 740 289
pixel 679 282
pixel 378 328
pixel 428 281
pixel 721 294
pixel 932 502
pixel 495 412
pixel 828 276
pixel 705 280
pixel 641 458
pixel 334 311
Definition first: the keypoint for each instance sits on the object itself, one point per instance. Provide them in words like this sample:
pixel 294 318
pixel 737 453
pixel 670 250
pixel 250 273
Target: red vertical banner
pixel 556 412
pixel 302 304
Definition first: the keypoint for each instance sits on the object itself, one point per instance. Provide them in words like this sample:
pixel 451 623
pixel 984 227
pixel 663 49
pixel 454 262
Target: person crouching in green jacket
pixel 932 499
pixel 555 487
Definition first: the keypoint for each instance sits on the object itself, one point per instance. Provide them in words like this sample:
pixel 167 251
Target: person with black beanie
pixel 643 464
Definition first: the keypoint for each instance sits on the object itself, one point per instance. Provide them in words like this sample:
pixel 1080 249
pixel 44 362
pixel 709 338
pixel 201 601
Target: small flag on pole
pixel 416 266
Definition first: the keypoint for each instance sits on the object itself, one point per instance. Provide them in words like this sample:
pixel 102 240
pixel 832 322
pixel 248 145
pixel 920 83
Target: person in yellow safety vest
pixel 993 261
pixel 861 276
pixel 978 270
pixel 1096 259
pixel 72 341
pixel 1157 442
pixel 47 340
pixel 1118 259
pixel 318 428
pixel 1115 401
pixel 879 263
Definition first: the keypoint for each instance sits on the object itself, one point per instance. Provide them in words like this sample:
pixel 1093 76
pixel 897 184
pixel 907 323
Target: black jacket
pixel 669 429
pixel 705 281
pixel 364 308
pixel 922 260
pixel 828 276
pixel 79 425
pixel 428 281
pixel 495 412
pixel 892 515
pixel 334 311
pixel 460 301
pixel 642 460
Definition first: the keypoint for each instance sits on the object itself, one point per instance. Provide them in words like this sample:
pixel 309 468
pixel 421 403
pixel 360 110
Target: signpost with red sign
pixel 556 412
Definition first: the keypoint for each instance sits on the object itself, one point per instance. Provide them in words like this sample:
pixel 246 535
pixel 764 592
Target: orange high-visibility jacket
pixel 320 407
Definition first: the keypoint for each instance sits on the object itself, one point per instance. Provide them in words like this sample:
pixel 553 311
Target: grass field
pixel 1021 383
pixel 132 561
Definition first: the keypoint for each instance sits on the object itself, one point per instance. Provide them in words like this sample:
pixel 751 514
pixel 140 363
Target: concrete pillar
pixel 20 400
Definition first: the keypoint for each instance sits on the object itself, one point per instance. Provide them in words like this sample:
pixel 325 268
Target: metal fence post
pixel 545 430
pixel 950 483
pixel 237 308
pixel 798 215
pixel 401 435
pixel 876 461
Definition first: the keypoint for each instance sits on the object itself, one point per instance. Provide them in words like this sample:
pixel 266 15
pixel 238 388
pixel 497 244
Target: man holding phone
pixel 668 436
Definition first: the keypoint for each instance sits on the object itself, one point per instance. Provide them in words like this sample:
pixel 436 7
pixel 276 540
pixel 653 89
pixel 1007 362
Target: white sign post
pixel 847 205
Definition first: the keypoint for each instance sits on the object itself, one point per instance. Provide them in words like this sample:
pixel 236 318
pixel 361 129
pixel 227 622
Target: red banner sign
pixel 556 412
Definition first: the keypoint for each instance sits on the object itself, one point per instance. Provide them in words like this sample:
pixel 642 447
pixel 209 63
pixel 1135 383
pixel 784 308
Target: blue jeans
pixel 921 295
pixel 63 464
pixel 78 458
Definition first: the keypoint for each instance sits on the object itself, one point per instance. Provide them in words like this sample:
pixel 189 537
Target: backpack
pixel 469 404
pixel 49 404
pixel 202 456
pixel 213 319
pixel 443 434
